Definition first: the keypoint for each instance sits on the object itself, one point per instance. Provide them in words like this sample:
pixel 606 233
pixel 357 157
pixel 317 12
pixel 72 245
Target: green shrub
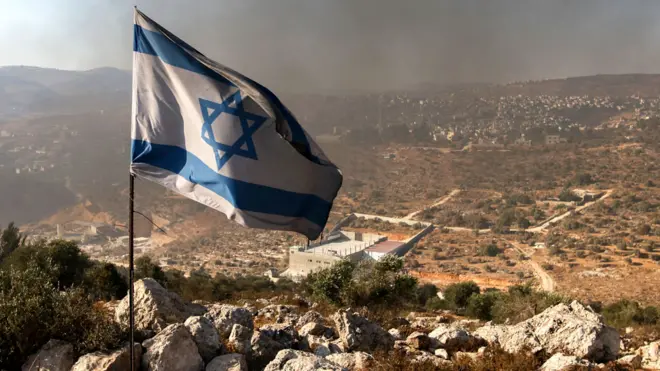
pixel 481 305
pixel 522 302
pixel 523 223
pixel 626 313
pixel 10 239
pixel 32 311
pixel 426 292
pixel 458 294
pixel 489 250
pixel 104 282
pixel 145 268
pixel 63 261
pixel 368 283
pixel 436 303
pixel 554 250
pixel 567 196
pixel 328 284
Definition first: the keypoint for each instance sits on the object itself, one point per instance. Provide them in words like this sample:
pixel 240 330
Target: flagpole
pixel 131 193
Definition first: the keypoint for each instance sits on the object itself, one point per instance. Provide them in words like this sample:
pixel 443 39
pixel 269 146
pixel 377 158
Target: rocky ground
pixel 269 335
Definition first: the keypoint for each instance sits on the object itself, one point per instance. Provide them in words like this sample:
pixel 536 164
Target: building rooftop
pixel 345 243
pixel 385 246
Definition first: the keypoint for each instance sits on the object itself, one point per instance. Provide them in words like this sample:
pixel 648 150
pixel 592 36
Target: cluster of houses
pixel 461 119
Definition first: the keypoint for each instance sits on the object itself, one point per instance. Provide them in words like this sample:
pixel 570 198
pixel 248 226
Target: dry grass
pixel 494 359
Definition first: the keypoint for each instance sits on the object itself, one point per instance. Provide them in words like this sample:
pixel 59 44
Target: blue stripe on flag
pixel 241 194
pixel 157 44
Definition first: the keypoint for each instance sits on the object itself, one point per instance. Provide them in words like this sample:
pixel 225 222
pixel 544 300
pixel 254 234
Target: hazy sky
pixel 310 45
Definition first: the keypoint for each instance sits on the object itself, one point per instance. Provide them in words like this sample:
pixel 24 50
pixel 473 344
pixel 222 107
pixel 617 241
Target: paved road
pixel 547 283
pixel 442 201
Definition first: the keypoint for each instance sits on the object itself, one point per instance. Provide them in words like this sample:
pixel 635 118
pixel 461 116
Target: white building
pixel 554 139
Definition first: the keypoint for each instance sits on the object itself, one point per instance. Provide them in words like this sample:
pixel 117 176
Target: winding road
pixel 545 280
pixel 559 218
pixel 547 283
pixel 440 202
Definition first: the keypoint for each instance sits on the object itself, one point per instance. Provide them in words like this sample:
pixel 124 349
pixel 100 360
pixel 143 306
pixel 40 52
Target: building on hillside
pixel 352 246
pixel 337 246
pixel 340 245
pixel 523 142
pixel 484 145
pixel 554 139
pixel 380 249
pixel 587 195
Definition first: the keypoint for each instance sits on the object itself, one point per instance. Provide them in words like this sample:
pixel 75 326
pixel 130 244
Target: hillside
pixel 646 85
pixel 66 163
pixel 28 91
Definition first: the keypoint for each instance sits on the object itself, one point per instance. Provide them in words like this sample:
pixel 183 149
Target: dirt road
pixel 559 218
pixel 440 202
pixel 469 230
pixel 547 283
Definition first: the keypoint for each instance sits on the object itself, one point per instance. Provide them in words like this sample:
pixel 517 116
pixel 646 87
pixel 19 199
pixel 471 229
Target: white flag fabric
pixel 221 139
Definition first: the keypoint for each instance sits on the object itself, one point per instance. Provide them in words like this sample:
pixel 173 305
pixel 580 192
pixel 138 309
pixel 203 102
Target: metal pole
pixel 131 193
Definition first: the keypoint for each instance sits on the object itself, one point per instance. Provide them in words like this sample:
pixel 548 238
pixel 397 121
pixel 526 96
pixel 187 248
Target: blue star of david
pixel 212 110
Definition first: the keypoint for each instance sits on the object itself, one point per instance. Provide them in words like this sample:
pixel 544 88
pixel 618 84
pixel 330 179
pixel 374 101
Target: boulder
pixel 396 334
pixel 399 322
pixel 309 317
pixel 358 333
pixel 314 328
pixel 205 336
pixel 228 362
pixel 319 346
pixel 418 340
pixel 263 348
pixel 251 308
pixel 426 323
pixel 423 360
pixel 119 360
pixel 352 361
pixel 560 362
pixel 316 345
pixel 650 355
pixel 55 355
pixel 281 333
pixel 441 353
pixel 111 307
pixel 654 351
pixel 451 336
pixel 224 317
pixel 155 308
pixel 632 360
pixel 339 345
pixel 572 329
pixel 296 360
pixel 172 349
pixel 278 313
pixel 300 301
pixel 239 339
pixel 402 345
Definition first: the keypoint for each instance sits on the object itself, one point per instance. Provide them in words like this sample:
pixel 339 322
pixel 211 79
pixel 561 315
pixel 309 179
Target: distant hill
pixel 646 85
pixel 612 85
pixel 33 90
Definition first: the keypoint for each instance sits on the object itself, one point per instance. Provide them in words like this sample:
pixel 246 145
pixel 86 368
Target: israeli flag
pixel 221 139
